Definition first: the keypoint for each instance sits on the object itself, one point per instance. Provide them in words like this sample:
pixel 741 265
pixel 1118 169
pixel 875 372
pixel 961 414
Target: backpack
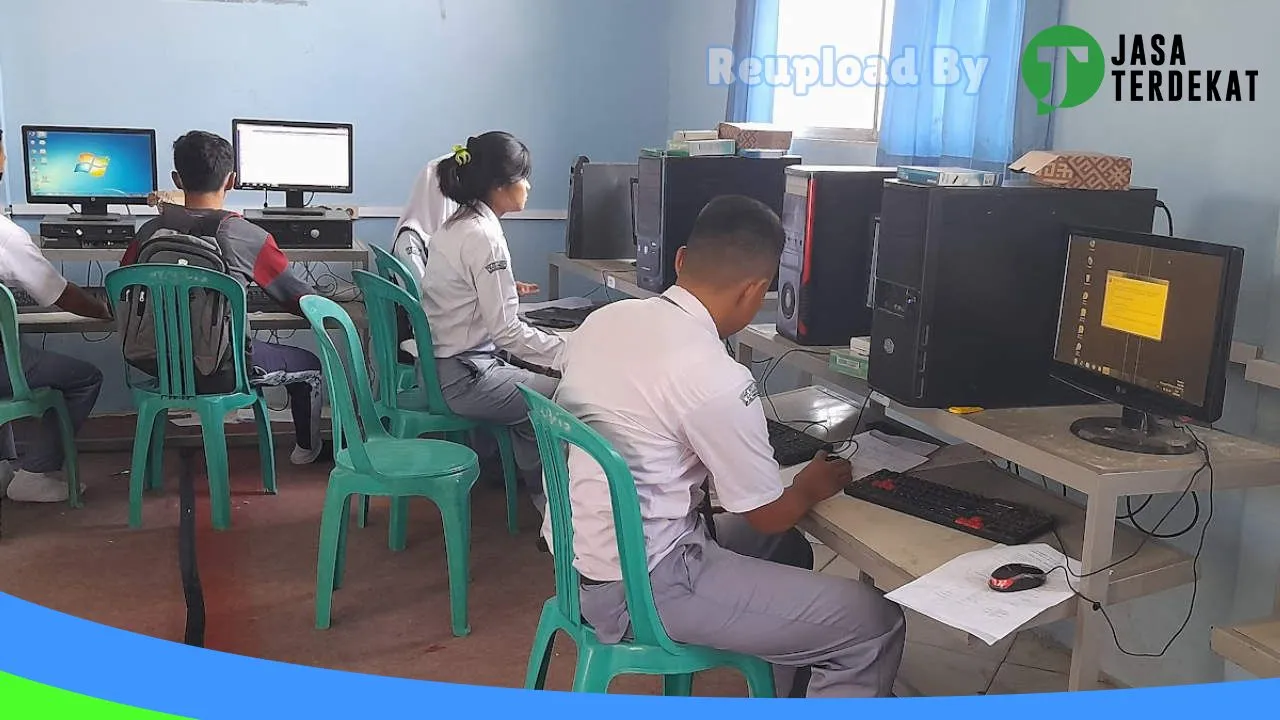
pixel 210 311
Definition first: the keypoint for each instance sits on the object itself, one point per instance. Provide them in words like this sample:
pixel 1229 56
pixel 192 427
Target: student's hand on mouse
pixel 825 476
pixel 523 289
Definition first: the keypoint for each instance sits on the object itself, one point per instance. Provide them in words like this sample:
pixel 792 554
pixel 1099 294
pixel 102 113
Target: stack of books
pixel 947 176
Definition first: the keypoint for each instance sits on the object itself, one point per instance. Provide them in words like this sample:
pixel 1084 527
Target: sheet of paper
pixel 571 303
pixel 875 451
pixel 957 593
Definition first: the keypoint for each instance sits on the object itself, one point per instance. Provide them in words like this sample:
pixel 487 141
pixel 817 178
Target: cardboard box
pixel 1080 170
pixel 756 136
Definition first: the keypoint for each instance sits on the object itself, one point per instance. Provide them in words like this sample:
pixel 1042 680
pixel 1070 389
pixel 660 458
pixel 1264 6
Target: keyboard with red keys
pixel 995 520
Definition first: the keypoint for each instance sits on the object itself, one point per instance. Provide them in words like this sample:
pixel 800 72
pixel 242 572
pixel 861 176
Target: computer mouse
pixel 1015 577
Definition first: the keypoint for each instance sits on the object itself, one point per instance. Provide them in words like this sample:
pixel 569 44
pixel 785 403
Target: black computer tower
pixel 671 191
pixel 968 284
pixel 824 275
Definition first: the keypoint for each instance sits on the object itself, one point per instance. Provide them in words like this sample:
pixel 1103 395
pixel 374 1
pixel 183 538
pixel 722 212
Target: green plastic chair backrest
pixel 391 268
pixel 382 300
pixel 556 430
pixel 355 421
pixel 168 291
pixel 9 339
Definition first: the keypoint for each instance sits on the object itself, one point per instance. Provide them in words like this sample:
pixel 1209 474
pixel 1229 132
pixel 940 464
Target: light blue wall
pixel 1214 166
pixel 569 77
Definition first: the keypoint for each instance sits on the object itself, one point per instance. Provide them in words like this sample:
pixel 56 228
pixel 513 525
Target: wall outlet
pixel 352 211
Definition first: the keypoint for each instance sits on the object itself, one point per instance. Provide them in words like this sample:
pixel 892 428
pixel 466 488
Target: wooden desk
pixel 894 549
pixel 1255 646
pixel 57 321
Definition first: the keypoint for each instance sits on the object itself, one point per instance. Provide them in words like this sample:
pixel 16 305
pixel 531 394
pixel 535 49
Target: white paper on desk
pixel 572 303
pixel 957 593
pixel 875 451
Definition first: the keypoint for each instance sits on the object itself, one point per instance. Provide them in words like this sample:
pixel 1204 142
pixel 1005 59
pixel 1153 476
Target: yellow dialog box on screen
pixel 1135 305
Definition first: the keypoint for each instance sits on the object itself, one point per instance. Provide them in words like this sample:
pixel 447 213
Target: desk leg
pixel 1091 627
pixel 553 282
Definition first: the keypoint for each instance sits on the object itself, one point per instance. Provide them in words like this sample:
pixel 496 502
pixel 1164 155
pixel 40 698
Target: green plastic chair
pixel 28 403
pixel 650 651
pixel 369 461
pixel 169 289
pixel 394 271
pixel 423 410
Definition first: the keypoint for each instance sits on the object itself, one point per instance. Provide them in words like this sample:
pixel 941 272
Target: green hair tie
pixel 461 155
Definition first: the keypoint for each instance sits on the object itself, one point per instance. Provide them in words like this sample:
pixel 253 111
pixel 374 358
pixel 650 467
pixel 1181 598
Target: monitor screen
pixel 67 164
pixel 286 155
pixel 1143 316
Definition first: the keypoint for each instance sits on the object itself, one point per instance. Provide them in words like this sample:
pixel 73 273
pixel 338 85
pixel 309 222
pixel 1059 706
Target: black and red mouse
pixel 1015 577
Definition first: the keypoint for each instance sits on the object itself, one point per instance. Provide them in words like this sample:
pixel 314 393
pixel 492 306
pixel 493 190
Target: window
pixel 855 33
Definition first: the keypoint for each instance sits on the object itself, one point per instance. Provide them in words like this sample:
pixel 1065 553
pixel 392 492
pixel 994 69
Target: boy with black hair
pixel 204 170
pixel 682 412
pixel 22 267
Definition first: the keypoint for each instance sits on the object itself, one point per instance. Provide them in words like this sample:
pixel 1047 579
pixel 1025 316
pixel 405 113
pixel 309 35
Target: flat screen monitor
pixel 89 167
pixel 1146 322
pixel 293 157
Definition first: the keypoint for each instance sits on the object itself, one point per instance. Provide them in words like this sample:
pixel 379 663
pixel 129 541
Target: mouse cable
pixel 1195 564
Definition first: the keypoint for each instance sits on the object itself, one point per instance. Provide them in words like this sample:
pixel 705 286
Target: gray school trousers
pixel 483 387
pixel 733 593
pixel 79 383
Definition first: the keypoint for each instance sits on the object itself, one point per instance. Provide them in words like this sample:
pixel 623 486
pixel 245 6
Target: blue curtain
pixel 928 124
pixel 755 34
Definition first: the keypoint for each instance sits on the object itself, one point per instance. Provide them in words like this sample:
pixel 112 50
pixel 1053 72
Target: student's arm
pixel 410 249
pixel 500 306
pixel 253 253
pixel 22 265
pixel 729 435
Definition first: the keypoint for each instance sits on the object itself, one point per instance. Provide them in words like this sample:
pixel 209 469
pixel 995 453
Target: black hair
pixel 203 161
pixel 735 238
pixel 490 161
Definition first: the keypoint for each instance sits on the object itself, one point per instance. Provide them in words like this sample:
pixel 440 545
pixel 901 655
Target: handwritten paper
pixel 957 594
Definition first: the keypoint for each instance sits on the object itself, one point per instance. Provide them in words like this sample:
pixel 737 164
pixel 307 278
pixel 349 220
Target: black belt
pixel 592 583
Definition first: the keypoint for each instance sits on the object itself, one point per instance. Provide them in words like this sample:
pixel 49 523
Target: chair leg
pixel 217 466
pixel 148 414
pixel 398 532
pixel 677 685
pixel 70 458
pixel 335 503
pixel 591 675
pixel 155 454
pixel 502 435
pixel 266 444
pixel 362 511
pixel 760 680
pixel 540 656
pixel 455 513
pixel 343 531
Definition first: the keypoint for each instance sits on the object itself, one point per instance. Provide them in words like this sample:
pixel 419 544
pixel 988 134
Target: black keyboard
pixel 560 318
pixel 792 447
pixel 24 301
pixel 995 520
pixel 257 300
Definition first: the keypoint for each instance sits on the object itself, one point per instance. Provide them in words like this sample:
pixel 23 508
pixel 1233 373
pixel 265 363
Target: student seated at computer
pixel 39 476
pixel 471 298
pixel 204 171
pixel 653 378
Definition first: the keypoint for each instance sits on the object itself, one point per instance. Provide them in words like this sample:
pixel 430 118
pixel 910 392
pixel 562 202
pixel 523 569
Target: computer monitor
pixel 1146 322
pixel 89 167
pixel 294 157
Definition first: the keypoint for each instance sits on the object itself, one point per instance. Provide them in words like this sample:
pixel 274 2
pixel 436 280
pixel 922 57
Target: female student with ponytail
pixel 471 297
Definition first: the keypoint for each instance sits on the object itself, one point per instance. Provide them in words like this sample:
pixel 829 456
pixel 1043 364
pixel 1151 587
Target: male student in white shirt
pixel 652 376
pixel 38 475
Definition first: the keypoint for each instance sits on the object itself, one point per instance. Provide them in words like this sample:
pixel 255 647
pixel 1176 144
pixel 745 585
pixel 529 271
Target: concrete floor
pixel 391 616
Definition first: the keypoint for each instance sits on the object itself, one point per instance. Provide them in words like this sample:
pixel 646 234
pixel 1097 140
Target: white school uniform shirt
pixel 653 378
pixel 22 265
pixel 470 297
pixel 425 213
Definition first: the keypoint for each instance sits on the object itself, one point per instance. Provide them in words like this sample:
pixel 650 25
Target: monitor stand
pixel 94 211
pixel 1135 431
pixel 294 205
